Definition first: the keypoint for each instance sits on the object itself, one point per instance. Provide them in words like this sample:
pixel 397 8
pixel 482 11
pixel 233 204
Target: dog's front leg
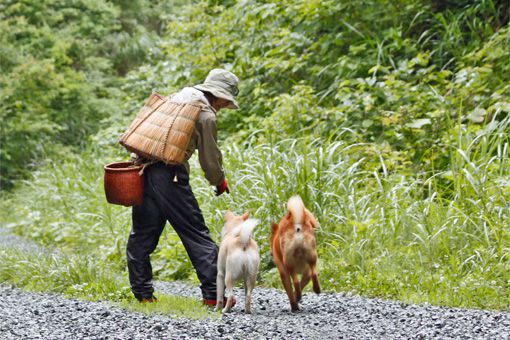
pixel 305 278
pixel 297 286
pixel 220 286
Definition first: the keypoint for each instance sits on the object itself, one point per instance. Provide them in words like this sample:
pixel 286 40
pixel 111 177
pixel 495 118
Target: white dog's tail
pixel 246 230
pixel 297 211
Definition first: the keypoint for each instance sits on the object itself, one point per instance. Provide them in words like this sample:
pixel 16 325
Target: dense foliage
pixel 390 119
pixel 313 69
pixel 60 68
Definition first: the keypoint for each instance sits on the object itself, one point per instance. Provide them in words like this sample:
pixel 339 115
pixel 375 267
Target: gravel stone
pixel 27 315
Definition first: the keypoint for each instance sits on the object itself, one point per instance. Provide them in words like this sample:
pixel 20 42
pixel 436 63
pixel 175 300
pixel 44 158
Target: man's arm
pixel 209 155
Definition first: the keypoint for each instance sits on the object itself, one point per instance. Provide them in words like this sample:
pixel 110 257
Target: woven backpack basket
pixel 162 129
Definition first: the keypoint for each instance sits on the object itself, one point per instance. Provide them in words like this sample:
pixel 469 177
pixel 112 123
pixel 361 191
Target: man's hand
pixel 223 187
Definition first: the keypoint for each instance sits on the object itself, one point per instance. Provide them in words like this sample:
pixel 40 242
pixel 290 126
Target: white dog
pixel 238 258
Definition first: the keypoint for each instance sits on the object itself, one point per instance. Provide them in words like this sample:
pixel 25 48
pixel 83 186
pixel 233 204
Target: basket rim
pixel 131 165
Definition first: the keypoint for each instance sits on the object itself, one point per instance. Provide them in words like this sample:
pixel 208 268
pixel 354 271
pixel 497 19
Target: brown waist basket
pixel 123 184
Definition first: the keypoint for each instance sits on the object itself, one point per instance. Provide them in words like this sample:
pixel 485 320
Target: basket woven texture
pixel 162 129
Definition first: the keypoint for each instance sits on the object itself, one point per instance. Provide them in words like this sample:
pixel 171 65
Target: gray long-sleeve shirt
pixel 204 137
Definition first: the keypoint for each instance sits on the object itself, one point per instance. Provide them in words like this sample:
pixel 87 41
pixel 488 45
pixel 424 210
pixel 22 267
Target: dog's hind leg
pixel 229 283
pixel 249 284
pixel 288 288
pixel 315 279
pixel 220 286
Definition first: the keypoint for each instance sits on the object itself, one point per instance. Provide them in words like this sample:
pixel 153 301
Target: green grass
pixel 84 278
pixel 440 238
pixel 176 306
pixel 76 276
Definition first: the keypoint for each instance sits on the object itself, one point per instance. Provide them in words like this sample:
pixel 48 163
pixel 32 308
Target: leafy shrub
pixel 59 66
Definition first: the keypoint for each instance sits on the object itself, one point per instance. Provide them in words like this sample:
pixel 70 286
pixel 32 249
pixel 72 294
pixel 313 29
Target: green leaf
pixel 477 115
pixel 419 123
pixel 367 123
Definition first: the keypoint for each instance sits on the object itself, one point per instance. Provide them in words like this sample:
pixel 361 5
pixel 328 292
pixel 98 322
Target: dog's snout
pixel 298 228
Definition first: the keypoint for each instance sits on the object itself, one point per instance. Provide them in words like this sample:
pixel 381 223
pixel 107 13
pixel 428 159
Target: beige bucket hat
pixel 222 84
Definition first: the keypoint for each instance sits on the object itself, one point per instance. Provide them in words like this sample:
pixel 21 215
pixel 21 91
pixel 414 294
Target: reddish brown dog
pixel 294 251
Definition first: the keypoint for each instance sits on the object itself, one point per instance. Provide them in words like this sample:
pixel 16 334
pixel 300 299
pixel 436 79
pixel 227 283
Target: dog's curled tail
pixel 296 208
pixel 247 230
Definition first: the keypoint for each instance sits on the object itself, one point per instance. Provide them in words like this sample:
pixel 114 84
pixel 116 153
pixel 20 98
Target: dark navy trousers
pixel 168 197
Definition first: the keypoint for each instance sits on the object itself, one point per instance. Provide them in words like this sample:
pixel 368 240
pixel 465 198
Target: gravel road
pixel 25 315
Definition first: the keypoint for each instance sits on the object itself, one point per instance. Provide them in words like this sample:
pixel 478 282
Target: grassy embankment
pixel 441 239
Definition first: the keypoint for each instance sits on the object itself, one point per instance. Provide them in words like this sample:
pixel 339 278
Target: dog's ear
pixel 288 217
pixel 245 216
pixel 274 228
pixel 311 218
